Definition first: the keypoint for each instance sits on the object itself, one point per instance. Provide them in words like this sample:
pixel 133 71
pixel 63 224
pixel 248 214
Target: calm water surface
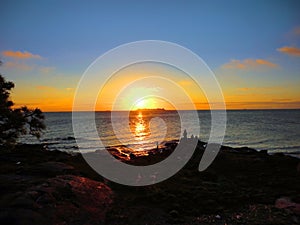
pixel 273 130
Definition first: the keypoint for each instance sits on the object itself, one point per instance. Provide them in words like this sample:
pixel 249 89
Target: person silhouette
pixel 185 134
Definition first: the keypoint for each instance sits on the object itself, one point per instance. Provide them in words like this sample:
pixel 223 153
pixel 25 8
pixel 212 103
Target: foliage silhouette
pixel 15 122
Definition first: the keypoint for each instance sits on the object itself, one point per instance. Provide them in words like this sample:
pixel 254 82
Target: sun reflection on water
pixel 140 127
pixel 149 127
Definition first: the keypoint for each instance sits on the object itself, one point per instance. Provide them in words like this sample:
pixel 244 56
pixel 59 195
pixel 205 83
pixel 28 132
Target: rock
pixel 65 199
pixel 174 213
pixel 52 168
pixel 246 150
pixel 282 203
pixel 33 194
pixel 42 193
pixel 218 217
pixel 286 203
pixel 22 216
pixel 263 152
pixel 22 202
pixel 132 156
pixel 68 139
pixel 91 199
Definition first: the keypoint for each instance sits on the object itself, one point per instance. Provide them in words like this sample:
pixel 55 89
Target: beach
pixel 242 186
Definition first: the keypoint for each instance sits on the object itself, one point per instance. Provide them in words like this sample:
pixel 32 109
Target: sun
pixel 145 103
pixel 141 104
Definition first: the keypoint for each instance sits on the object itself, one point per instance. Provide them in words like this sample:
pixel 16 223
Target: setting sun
pixel 149 85
pixel 146 103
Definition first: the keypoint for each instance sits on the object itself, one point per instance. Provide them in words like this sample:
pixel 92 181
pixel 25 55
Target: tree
pixel 17 121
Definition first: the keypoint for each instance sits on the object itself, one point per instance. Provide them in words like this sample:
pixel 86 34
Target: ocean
pixel 272 130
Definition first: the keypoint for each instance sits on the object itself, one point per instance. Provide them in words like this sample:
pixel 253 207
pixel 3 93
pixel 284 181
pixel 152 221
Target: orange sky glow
pixel 161 86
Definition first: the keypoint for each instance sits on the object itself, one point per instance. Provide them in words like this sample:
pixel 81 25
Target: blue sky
pixel 69 35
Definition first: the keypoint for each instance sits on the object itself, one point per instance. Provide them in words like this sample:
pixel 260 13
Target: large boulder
pixel 65 199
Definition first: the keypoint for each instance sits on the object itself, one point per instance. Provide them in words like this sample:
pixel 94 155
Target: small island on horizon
pixel 154 110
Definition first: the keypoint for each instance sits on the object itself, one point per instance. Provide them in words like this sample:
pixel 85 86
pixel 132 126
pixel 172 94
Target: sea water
pixel 272 130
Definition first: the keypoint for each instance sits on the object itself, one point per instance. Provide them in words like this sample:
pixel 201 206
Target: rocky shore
pixel 242 186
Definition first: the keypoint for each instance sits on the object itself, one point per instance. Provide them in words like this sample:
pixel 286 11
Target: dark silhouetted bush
pixel 17 121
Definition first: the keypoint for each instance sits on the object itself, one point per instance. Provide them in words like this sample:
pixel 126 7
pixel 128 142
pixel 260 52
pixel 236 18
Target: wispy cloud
pixel 275 103
pixel 20 55
pixel 249 64
pixel 18 66
pixel 293 51
pixel 18 61
pixel 283 100
pixel 69 89
pixel 45 88
pixel 260 88
pixel 22 66
pixel 245 89
pixel 45 69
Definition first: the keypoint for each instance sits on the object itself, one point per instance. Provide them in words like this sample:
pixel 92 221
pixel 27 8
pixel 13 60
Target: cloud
pixel 27 67
pixel 282 100
pixel 293 51
pixel 271 104
pixel 245 89
pixel 249 64
pixel 16 62
pixel 20 55
pixel 18 66
pixel 259 88
pixel 45 88
pixel 46 69
pixel 265 63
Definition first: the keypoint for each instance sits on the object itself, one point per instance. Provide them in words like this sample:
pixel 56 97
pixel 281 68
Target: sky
pixel 252 47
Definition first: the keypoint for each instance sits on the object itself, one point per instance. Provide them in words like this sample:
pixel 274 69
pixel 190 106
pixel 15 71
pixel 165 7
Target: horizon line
pixel 126 110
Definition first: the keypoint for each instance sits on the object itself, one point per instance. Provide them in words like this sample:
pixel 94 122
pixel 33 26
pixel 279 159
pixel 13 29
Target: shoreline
pixel 68 144
pixel 242 186
pixel 116 150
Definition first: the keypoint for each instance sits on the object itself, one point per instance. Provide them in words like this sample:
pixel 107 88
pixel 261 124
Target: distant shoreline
pixel 171 110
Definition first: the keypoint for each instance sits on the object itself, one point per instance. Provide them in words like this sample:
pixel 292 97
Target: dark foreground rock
pixel 37 191
pixel 64 199
pixel 242 186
